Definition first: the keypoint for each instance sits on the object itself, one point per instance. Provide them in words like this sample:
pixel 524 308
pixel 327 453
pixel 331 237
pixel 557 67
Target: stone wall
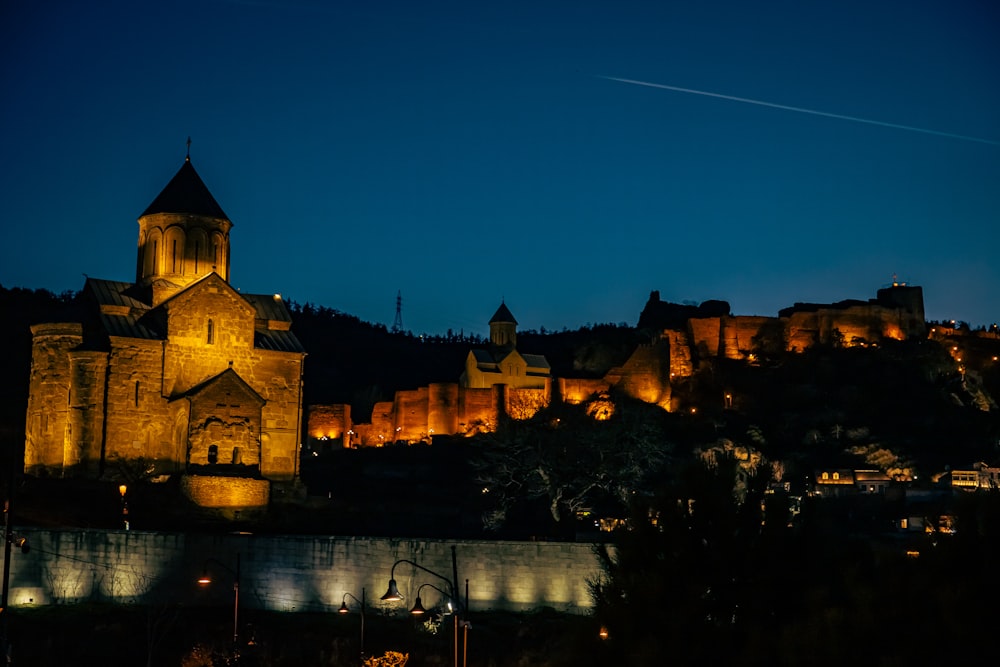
pixel 293 572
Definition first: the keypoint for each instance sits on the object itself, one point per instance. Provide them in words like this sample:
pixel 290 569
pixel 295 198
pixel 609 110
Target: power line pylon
pixel 397 324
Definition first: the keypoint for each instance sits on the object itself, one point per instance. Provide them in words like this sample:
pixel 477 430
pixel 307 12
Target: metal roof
pixel 186 193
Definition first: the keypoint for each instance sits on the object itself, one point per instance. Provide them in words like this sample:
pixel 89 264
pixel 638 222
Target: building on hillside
pixel 498 381
pixel 177 372
pixel 501 362
pixel 978 476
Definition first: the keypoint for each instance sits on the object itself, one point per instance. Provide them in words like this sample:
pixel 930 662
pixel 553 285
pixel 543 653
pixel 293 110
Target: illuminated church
pixel 501 363
pixel 175 373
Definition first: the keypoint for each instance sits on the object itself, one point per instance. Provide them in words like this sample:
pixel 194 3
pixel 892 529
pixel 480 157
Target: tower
pixel 183 237
pixel 503 328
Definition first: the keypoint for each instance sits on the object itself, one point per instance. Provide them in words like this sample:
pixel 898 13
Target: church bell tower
pixel 183 236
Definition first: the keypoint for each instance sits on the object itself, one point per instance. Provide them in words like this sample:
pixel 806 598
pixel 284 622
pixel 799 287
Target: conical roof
pixel 502 315
pixel 186 193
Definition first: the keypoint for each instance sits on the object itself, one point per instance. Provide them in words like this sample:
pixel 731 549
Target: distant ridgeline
pixel 500 381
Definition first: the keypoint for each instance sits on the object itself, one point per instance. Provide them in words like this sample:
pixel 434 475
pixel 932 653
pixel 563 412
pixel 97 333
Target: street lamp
pixel 392 594
pixel 122 489
pixel 344 610
pixel 205 579
pixel 418 607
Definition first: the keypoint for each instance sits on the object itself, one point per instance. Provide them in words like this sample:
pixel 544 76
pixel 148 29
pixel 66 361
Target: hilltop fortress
pixel 502 382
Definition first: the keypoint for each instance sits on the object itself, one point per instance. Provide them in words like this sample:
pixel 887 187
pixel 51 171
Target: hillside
pixel 905 406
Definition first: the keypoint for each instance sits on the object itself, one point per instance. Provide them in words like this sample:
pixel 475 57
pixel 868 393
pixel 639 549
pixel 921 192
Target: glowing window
pixel 826 475
pixel 836 475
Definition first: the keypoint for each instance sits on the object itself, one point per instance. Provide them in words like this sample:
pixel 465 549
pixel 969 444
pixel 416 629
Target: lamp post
pixel 205 579
pixel 344 610
pixel 392 594
pixel 122 489
pixel 418 607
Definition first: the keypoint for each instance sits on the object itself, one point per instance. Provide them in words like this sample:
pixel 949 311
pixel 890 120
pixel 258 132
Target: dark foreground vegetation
pixel 202 637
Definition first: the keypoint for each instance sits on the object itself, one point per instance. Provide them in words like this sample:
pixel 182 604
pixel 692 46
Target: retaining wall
pixel 295 572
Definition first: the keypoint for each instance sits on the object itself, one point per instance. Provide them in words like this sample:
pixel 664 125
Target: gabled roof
pixel 186 193
pixel 502 315
pixel 230 378
pixel 536 361
pixel 120 313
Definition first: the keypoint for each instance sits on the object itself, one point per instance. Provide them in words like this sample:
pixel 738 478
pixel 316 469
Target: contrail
pixel 814 112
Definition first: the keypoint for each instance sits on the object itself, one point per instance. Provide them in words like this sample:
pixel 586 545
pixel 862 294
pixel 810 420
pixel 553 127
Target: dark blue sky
pixel 464 152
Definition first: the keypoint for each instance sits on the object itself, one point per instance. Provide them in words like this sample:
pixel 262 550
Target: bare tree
pixel 567 459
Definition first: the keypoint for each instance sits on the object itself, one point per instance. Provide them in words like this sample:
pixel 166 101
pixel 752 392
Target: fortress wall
pixel 478 405
pixel 382 429
pixel 738 333
pixel 442 408
pixel 705 333
pixel 410 412
pixel 523 402
pixel 329 421
pixel 679 350
pixel 802 331
pixel 292 572
pixel 576 390
pixel 645 374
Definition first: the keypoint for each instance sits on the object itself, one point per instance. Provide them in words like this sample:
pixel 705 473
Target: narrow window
pixel 173 257
pixel 213 454
pixel 211 332
pixel 156 255
pixel 136 393
pixel 197 249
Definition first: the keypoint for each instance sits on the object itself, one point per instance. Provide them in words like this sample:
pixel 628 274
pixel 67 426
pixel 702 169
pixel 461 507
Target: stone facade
pixel 177 372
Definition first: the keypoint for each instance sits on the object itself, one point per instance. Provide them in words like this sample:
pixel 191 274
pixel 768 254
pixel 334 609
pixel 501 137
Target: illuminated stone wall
pixel 416 415
pixel 646 374
pixel 294 573
pixel 447 409
pixel 576 390
pixel 226 492
pixel 739 334
pixel 48 428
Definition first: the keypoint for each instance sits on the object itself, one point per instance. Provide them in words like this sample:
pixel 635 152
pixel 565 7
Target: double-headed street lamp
pixel 205 579
pixel 392 594
pixel 344 610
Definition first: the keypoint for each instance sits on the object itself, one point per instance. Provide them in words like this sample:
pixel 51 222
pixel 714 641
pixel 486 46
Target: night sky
pixel 468 152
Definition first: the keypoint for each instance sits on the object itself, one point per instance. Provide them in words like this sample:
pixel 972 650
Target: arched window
pixel 836 475
pixel 213 454
pixel 826 475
